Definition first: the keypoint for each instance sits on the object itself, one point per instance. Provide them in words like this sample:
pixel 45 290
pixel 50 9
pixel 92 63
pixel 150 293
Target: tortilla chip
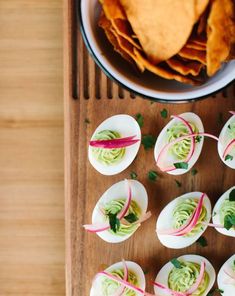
pixel 105 24
pixel 183 67
pixel 221 34
pixel 116 15
pixel 151 21
pixel 163 71
pixel 193 54
pixel 200 7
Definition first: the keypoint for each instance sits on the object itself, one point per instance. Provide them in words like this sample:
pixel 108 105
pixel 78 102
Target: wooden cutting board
pixel 90 97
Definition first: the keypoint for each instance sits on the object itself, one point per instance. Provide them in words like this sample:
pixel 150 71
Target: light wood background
pixel 31 148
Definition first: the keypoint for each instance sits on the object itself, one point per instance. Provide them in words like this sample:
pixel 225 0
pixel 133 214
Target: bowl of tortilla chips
pixel 165 50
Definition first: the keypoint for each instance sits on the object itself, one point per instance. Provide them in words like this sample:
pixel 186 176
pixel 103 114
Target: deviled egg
pixel 114 144
pixel 188 274
pixel 224 213
pixel 179 157
pixel 120 211
pixel 184 220
pixel 226 277
pixel 107 282
pixel 226 143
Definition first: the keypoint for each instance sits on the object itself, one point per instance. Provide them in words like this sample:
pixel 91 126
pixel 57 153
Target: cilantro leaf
pixel 181 165
pixel 194 172
pixel 140 119
pixel 198 139
pixel 131 218
pixel 114 222
pixel 176 263
pixel 152 175
pixel 229 221
pixel 148 141
pixel 133 175
pixel 228 157
pixel 202 241
pixel 178 183
pixel 229 126
pixel 164 113
pixel 232 195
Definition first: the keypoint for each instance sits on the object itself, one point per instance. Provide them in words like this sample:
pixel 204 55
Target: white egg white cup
pixel 117 191
pixel 223 278
pixel 163 274
pixel 223 142
pixel 132 266
pixel 126 126
pixel 165 221
pixel 216 214
pixel 162 141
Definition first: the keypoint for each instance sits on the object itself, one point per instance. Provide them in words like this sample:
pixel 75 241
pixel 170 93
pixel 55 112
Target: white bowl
pixel 147 84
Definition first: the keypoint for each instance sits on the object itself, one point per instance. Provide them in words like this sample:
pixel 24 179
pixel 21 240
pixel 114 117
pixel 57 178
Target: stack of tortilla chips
pixel 185 40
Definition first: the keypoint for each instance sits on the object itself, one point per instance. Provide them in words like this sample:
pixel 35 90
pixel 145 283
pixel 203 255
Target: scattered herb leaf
pixel 232 195
pixel 229 221
pixel 131 218
pixel 178 183
pixel 220 118
pixel 176 263
pixel 140 119
pixel 133 175
pixel 148 141
pixel 152 175
pixel 87 121
pixel 181 165
pixel 194 172
pixel 228 157
pixel 146 271
pixel 211 293
pixel 229 126
pixel 202 241
pixel 114 222
pixel 198 139
pixel 164 113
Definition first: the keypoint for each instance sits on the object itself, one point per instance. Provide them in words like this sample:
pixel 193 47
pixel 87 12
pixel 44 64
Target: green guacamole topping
pixel 227 209
pixel 114 207
pixel 182 279
pixel 182 148
pixel 109 287
pixel 108 156
pixel 184 210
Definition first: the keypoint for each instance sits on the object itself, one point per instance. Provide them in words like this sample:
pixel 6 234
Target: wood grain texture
pixel 98 99
pixel 31 149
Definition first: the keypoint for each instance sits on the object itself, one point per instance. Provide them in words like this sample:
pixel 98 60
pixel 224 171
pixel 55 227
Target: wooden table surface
pixel 31 148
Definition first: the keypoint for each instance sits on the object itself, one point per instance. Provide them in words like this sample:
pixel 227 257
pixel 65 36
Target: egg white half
pixel 216 216
pixel 162 141
pixel 165 221
pixel 132 266
pixel 126 126
pixel 117 191
pixel 223 142
pixel 222 278
pixel 163 274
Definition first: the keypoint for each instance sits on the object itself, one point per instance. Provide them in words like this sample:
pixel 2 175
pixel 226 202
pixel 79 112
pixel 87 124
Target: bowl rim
pixel 135 92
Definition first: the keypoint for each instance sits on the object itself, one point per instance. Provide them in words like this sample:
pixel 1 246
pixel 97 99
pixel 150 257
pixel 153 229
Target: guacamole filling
pixel 181 149
pixel 109 287
pixel 182 213
pixel 126 227
pixel 227 209
pixel 182 279
pixel 108 156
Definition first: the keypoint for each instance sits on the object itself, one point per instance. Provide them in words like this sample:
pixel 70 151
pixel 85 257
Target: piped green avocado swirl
pixel 114 207
pixel 182 148
pixel 227 209
pixel 182 279
pixel 184 210
pixel 109 287
pixel 108 156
